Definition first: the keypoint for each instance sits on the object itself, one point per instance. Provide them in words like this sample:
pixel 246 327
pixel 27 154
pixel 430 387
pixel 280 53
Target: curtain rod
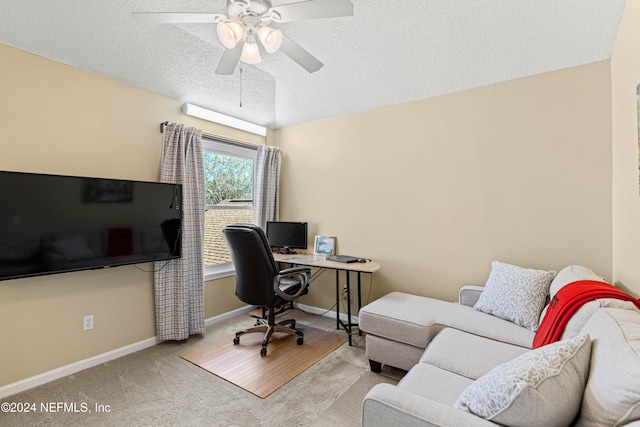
pixel 220 138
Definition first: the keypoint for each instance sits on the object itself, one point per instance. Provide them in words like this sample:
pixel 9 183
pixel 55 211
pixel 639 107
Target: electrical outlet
pixel 87 322
pixel 343 296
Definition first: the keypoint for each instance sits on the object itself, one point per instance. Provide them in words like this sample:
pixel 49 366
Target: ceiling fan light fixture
pixel 251 53
pixel 248 21
pixel 271 39
pixel 230 33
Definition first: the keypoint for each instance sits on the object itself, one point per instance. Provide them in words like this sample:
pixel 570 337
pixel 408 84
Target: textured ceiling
pixel 389 52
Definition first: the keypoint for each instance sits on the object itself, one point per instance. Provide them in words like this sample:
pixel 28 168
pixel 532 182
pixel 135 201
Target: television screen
pixel 52 223
pixel 287 235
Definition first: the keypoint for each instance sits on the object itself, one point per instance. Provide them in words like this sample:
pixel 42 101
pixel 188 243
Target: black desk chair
pixel 260 283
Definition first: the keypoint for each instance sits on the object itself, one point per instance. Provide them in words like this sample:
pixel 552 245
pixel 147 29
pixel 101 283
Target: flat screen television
pixel 287 236
pixel 53 223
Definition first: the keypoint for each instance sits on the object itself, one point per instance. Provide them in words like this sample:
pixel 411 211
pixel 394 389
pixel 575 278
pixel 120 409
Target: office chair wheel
pixel 236 340
pixel 292 324
pixel 263 351
pixel 300 341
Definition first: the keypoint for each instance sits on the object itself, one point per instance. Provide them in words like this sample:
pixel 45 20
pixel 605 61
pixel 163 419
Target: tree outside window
pixel 228 199
pixel 227 178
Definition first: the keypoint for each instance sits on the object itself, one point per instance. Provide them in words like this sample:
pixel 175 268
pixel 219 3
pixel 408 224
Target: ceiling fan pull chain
pixel 240 86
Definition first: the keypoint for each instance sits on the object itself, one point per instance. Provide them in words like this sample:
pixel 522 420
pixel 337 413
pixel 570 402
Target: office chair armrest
pixel 302 274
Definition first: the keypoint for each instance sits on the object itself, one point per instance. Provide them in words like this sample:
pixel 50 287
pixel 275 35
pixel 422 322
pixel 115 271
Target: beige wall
pixel 626 198
pixel 434 190
pixel 58 119
pixel 519 171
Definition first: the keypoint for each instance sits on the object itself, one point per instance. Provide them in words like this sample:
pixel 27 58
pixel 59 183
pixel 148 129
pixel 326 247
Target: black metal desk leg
pixel 337 299
pixel 359 302
pixel 348 328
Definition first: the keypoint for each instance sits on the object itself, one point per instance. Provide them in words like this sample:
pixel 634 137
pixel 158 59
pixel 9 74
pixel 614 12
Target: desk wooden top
pixel 321 262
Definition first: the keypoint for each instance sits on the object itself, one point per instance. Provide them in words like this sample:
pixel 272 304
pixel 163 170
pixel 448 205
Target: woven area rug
pixel 243 366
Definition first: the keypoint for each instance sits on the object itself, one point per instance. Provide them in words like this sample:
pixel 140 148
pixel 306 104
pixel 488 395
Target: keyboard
pixel 342 258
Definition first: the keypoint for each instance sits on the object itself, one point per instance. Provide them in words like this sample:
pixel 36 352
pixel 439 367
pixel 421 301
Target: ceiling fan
pixel 249 21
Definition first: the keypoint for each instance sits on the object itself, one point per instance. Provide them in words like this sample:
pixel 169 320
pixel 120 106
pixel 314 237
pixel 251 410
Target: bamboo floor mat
pixel 243 366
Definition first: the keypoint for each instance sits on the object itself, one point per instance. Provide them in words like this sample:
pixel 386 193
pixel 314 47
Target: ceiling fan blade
pixel 229 60
pixel 177 18
pixel 314 9
pixel 299 55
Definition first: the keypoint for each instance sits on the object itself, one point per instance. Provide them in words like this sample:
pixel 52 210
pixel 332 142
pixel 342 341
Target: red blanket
pixel 567 301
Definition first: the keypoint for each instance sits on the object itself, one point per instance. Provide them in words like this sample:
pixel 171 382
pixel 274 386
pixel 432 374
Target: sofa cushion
pixel 542 387
pixel 72 249
pixel 391 352
pixel 612 393
pixel 487 354
pixel 93 240
pixel 415 320
pixel 516 294
pixel 572 273
pixel 434 383
pixel 579 319
pixel 402 317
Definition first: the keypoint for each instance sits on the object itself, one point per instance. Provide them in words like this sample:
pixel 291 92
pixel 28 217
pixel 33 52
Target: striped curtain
pixel 179 284
pixel 266 182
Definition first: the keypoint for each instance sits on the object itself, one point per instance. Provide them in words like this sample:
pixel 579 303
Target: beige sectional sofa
pixel 470 368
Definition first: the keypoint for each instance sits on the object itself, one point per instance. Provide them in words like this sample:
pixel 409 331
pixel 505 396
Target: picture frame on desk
pixel 325 245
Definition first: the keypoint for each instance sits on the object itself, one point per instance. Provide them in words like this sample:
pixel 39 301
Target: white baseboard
pixel 228 315
pixel 323 312
pixel 72 368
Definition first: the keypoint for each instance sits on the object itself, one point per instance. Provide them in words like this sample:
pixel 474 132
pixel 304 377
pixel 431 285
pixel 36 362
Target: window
pixel 228 176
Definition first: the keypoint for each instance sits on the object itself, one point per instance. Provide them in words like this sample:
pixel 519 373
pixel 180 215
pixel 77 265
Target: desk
pixel 320 262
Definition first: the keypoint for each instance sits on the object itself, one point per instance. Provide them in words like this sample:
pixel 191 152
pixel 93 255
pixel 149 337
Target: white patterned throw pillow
pixel 516 294
pixel 543 387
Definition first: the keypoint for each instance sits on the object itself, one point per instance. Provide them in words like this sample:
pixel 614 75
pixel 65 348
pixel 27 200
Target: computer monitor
pixel 287 236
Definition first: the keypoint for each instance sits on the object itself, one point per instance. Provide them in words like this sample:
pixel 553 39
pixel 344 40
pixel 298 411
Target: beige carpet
pixel 347 409
pixel 243 365
pixel 156 387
